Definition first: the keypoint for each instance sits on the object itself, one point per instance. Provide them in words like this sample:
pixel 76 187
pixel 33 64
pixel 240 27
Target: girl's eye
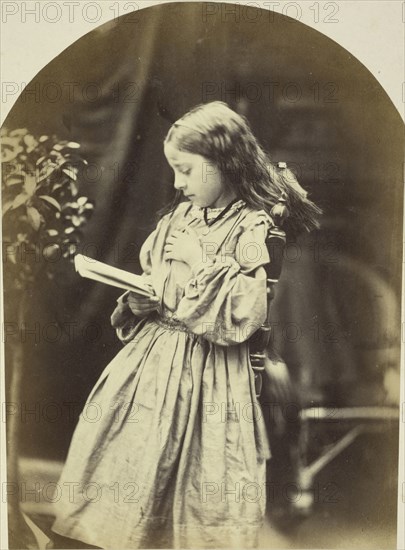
pixel 185 171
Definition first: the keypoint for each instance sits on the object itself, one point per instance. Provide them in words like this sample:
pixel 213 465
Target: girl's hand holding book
pixel 140 305
pixel 183 246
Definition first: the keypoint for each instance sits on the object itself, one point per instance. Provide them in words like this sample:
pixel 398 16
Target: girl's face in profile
pixel 199 179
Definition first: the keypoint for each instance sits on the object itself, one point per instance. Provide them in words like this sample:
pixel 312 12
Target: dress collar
pixel 198 211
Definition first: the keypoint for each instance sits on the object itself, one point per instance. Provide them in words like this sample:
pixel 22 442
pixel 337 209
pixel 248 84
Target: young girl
pixel 177 456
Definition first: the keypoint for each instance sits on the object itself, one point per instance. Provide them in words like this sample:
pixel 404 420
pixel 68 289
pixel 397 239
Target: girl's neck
pixel 225 199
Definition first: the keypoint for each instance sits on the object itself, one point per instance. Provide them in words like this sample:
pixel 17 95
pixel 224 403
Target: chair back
pixel 275 242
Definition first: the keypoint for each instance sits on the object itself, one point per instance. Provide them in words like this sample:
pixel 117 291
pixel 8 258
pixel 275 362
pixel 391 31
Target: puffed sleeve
pixel 225 300
pixel 146 252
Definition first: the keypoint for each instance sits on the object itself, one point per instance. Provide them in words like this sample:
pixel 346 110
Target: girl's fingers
pixel 137 310
pixel 170 256
pixel 142 312
pixel 134 297
pixel 143 300
pixel 138 306
pixel 144 307
pixel 172 239
pixel 178 232
pixel 190 231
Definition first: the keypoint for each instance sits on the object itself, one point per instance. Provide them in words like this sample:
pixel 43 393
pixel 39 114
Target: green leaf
pixel 20 199
pixel 51 250
pixel 30 184
pixel 51 201
pixel 47 171
pixel 14 180
pixel 57 186
pixel 61 160
pixel 30 142
pixel 19 132
pixel 77 221
pixel 34 217
pixel 6 207
pixel 71 173
pixel 73 145
pixel 43 138
pixel 73 189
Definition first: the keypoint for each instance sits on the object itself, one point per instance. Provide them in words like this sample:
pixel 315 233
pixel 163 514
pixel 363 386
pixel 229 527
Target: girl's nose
pixel 179 183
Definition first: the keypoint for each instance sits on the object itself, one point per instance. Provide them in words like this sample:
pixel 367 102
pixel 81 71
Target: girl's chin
pixel 198 203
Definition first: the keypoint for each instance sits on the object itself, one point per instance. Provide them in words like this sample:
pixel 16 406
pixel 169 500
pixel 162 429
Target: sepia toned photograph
pixel 202 228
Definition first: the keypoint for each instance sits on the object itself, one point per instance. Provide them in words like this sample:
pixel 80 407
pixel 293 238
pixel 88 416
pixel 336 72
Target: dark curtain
pixel 311 104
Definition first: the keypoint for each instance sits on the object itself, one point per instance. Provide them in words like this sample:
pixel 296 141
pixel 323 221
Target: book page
pixel 109 275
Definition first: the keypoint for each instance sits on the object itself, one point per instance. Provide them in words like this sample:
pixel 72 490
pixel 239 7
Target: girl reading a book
pixel 178 456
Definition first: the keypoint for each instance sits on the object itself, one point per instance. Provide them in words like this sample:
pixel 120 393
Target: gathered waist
pixel 170 323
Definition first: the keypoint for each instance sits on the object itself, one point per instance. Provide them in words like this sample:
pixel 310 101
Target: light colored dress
pixel 170 450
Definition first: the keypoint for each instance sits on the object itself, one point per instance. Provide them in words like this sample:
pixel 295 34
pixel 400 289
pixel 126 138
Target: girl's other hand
pixel 183 246
pixel 141 306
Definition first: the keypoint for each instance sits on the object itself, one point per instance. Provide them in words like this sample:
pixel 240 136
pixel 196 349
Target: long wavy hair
pixel 216 132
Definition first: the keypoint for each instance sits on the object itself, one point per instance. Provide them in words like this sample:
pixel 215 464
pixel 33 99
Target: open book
pixel 104 273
